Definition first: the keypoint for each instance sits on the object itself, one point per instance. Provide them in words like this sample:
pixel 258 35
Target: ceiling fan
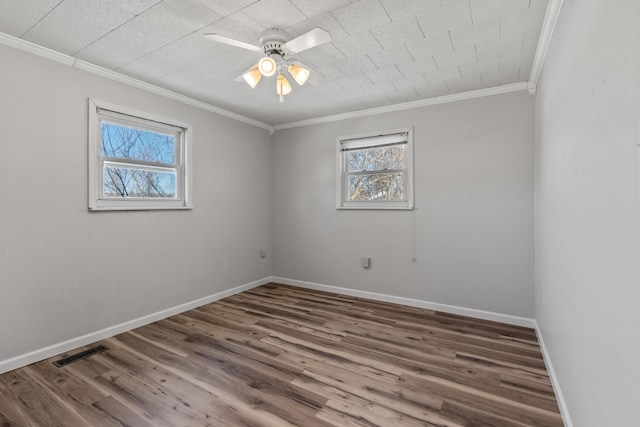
pixel 277 48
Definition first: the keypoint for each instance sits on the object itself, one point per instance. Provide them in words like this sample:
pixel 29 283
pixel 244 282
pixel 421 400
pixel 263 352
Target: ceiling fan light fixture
pixel 299 74
pixel 252 77
pixel 267 66
pixel 274 45
pixel 283 87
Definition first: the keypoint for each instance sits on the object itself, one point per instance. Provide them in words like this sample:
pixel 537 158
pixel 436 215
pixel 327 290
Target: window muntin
pixel 374 171
pixel 137 161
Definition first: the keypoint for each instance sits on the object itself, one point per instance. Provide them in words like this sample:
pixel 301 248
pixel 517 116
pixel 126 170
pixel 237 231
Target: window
pixel 375 171
pixel 137 161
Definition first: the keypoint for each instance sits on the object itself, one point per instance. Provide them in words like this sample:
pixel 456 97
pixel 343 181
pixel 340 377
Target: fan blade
pixel 233 42
pixel 313 38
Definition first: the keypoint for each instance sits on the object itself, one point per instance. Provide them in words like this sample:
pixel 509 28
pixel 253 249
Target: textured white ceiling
pixel 383 51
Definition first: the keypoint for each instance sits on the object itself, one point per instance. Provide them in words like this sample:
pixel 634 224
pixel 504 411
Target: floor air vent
pixel 70 359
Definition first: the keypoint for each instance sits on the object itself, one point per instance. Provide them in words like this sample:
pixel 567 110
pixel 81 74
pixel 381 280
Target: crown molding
pixel 79 64
pixel 515 87
pixel 548 27
pixel 44 52
pixel 121 78
pixel 547 31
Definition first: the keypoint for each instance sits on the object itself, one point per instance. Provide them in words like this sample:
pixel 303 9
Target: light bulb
pixel 267 66
pixel 252 77
pixel 299 74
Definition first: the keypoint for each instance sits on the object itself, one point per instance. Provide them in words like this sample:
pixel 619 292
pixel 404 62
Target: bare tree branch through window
pixel 121 142
pixel 375 170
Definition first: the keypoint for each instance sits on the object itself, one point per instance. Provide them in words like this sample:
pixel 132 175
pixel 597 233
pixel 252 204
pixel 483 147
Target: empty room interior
pixel 320 213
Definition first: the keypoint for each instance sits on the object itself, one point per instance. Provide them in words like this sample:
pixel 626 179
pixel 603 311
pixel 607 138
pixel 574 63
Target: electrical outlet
pixel 366 262
pixel 263 253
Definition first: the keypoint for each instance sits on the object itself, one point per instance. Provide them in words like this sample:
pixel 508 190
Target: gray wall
pixel 588 212
pixel 470 234
pixel 64 271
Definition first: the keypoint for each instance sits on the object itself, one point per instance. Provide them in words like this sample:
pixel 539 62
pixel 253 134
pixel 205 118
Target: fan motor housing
pixel 272 40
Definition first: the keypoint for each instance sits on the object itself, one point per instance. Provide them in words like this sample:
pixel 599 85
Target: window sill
pixel 378 208
pixel 130 207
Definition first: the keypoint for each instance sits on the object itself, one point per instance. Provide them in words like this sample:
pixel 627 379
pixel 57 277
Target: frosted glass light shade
pixel 267 66
pixel 282 86
pixel 252 77
pixel 299 74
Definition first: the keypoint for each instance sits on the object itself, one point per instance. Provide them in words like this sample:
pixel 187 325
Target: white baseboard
pixel 479 314
pixel 453 309
pixel 562 404
pixel 52 350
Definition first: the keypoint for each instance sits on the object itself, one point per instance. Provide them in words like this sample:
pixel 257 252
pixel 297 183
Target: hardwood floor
pixel 283 356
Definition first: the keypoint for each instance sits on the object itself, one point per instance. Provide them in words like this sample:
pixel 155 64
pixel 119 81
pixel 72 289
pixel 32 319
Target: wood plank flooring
pixel 284 356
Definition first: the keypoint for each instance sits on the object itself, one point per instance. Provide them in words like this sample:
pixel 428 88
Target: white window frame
pixel 99 110
pixel 370 140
